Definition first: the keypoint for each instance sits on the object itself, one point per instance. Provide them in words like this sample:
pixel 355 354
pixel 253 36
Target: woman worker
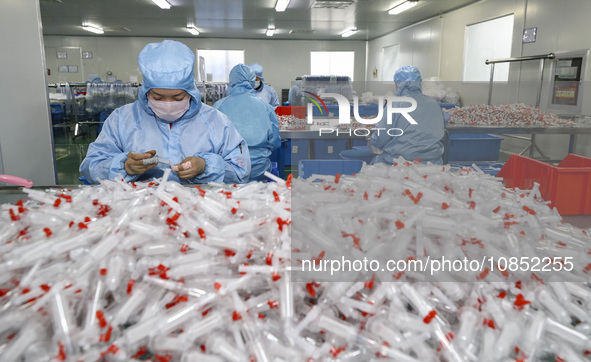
pixel 264 91
pixel 254 119
pixel 416 141
pixel 421 141
pixel 168 120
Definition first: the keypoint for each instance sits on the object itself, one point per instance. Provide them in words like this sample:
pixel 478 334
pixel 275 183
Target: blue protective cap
pixel 258 70
pixel 407 74
pixel 169 65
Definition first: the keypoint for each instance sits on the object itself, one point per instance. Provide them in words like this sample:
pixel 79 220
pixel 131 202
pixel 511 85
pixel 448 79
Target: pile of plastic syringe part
pixel 505 115
pixel 161 272
pixel 291 123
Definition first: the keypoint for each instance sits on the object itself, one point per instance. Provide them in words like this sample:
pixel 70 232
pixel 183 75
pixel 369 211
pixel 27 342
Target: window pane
pixel 488 40
pixel 218 63
pixel 332 63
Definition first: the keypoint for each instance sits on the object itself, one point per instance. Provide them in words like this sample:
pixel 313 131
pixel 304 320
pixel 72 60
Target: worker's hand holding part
pixel 189 168
pixel 134 165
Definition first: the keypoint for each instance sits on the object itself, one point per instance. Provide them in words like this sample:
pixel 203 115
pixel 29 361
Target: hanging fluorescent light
pixel 271 30
pixel 163 4
pixel 281 5
pixel 403 7
pixel 193 30
pixel 349 32
pixel 93 29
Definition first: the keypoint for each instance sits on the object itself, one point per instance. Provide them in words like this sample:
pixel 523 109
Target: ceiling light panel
pixel 93 29
pixel 332 4
pixel 163 4
pixel 403 7
pixel 281 5
pixel 349 32
pixel 193 30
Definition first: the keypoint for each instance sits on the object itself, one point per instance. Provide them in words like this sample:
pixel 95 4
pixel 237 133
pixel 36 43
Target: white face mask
pixel 257 84
pixel 169 111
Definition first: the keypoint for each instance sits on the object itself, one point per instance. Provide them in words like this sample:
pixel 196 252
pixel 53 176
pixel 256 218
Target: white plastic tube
pixel 132 305
pixel 27 335
pixel 507 339
pixel 568 334
pixel 223 348
pixel 533 335
pixel 546 299
pixel 336 327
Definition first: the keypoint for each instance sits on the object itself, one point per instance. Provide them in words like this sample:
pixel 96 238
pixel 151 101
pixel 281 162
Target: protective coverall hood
pixel 265 92
pixel 408 81
pixel 254 119
pixel 242 80
pixel 168 65
pixel 258 70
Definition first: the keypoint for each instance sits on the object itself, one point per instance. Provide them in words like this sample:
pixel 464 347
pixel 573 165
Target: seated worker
pixel 263 91
pixel 295 94
pixel 254 119
pixel 420 141
pixel 170 121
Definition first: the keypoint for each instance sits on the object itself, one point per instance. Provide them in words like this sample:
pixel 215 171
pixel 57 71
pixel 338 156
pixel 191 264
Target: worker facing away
pixel 254 119
pixel 421 141
pixel 295 94
pixel 170 121
pixel 263 91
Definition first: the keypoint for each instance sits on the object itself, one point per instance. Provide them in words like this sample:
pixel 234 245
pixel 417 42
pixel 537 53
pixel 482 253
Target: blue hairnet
pixel 258 70
pixel 407 74
pixel 408 81
pixel 168 65
pixel 242 79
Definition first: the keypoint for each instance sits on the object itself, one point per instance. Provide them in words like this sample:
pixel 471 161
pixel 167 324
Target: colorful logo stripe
pixel 316 103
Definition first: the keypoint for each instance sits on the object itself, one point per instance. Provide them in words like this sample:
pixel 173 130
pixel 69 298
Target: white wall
pixel 282 60
pixel 561 27
pixel 25 136
pixel 419 46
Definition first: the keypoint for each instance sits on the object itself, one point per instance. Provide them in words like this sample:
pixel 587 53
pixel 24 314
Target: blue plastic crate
pixel 488 167
pixel 297 150
pixel 57 112
pixel 306 168
pixel 367 110
pixel 474 147
pixel 448 105
pixel 359 153
pixel 330 107
pixel 359 142
pixel 279 156
pixel 329 149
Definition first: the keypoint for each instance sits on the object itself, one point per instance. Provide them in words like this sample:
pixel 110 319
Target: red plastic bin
pixel 296 111
pixel 567 186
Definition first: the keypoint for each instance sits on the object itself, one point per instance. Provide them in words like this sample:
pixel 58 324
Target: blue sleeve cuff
pixel 215 169
pixel 117 169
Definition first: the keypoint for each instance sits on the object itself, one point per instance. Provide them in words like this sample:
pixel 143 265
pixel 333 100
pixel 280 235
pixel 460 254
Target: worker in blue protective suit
pixel 170 121
pixel 254 119
pixel 264 91
pixel 295 94
pixel 421 141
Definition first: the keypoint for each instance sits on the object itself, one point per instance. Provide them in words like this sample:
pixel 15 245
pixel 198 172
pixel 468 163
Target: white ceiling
pixel 244 19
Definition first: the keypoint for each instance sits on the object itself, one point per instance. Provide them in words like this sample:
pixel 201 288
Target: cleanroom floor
pixel 69 153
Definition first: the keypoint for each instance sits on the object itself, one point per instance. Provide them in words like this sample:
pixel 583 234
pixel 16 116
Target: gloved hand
pixel 189 168
pixel 375 150
pixel 134 165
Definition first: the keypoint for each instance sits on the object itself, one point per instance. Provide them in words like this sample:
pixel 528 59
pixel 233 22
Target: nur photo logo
pixel 345 113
